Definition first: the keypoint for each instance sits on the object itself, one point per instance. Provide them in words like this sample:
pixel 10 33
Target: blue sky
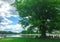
pixel 9 17
pixel 14 19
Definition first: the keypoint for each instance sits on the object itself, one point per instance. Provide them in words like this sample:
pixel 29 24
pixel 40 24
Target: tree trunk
pixel 43 33
pixel 43 29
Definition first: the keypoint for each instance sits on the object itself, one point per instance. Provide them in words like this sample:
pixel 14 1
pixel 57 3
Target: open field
pixel 27 40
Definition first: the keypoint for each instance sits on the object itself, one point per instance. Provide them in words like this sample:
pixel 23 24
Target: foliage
pixel 43 14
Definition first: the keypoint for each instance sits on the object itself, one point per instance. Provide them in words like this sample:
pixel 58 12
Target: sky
pixel 9 17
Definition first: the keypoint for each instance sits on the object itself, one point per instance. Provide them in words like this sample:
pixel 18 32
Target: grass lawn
pixel 27 40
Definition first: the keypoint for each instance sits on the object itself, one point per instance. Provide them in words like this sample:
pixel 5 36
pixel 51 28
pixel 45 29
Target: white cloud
pixel 10 15
pixel 1 28
pixel 9 1
pixel 4 6
pixel 4 14
pixel 13 28
pixel 4 10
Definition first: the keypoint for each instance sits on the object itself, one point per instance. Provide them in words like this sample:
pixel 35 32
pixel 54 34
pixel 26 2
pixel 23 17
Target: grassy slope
pixel 28 40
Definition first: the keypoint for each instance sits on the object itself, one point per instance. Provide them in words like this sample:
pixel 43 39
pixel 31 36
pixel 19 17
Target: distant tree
pixel 41 14
pixel 7 32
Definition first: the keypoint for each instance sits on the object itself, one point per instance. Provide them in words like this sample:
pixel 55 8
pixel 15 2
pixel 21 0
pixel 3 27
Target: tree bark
pixel 43 29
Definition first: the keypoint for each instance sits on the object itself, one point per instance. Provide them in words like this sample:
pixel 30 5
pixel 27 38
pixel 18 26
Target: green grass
pixel 27 40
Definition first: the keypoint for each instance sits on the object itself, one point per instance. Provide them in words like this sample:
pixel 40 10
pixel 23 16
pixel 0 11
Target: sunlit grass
pixel 7 39
pixel 28 40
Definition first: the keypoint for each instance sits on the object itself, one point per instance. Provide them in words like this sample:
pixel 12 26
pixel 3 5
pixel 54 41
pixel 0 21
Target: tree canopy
pixel 41 14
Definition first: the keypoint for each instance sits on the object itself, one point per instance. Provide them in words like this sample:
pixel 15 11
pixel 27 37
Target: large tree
pixel 41 14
